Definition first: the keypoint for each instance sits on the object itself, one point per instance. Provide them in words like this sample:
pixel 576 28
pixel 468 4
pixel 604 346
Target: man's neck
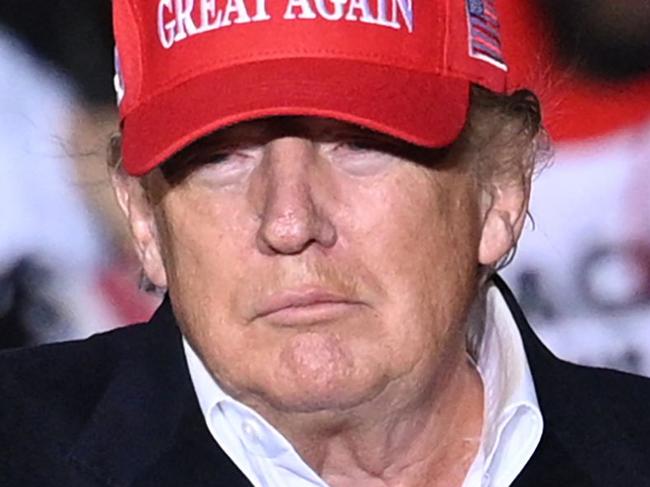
pixel 423 440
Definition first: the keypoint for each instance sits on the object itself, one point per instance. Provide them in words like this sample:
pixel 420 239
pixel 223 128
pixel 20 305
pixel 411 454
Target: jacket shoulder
pixel 621 395
pixel 79 412
pixel 52 389
pixel 596 427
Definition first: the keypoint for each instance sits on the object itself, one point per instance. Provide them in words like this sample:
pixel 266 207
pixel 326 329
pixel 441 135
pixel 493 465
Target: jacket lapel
pixel 148 428
pixel 551 464
pixel 192 459
pixel 584 442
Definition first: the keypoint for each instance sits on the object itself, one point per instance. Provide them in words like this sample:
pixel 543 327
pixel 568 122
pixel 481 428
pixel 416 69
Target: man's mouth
pixel 305 305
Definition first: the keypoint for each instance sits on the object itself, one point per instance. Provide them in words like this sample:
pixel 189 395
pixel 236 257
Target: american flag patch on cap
pixel 484 32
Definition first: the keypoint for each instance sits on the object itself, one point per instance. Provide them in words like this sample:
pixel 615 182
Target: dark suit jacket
pixel 119 409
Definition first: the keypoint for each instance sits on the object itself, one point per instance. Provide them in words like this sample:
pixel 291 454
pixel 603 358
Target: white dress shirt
pixel 512 426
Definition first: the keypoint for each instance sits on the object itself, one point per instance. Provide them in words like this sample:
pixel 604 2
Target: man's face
pixel 314 265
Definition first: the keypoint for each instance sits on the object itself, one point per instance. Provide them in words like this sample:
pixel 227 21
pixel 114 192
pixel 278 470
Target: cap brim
pixel 417 107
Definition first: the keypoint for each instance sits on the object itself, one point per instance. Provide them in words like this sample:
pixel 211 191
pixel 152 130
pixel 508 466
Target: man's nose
pixel 293 204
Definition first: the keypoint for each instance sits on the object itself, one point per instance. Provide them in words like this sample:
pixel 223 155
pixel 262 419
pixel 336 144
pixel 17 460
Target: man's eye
pixel 360 157
pixel 353 147
pixel 221 167
pixel 218 157
pixel 234 155
pixel 358 145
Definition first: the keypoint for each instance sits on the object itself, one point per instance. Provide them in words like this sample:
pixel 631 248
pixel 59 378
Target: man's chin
pixel 319 371
pixel 316 400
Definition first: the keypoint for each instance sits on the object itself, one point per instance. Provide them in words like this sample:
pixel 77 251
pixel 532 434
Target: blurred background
pixel 582 270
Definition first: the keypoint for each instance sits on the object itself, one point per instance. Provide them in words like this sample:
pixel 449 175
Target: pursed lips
pixel 304 305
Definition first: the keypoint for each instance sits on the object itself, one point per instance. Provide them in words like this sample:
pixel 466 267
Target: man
pixel 324 190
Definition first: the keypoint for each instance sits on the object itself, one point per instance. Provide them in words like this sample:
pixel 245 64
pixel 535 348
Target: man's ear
pixel 504 212
pixel 139 212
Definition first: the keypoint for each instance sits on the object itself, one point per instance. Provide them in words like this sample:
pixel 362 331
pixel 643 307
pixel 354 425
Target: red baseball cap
pixel 185 68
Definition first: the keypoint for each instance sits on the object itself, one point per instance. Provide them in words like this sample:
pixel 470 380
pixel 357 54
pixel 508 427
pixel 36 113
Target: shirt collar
pixel 207 389
pixel 261 452
pixel 244 421
pixel 513 422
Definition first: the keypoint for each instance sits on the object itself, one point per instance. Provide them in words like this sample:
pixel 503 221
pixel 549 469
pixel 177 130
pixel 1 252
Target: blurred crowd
pixel 582 269
pixel 66 266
